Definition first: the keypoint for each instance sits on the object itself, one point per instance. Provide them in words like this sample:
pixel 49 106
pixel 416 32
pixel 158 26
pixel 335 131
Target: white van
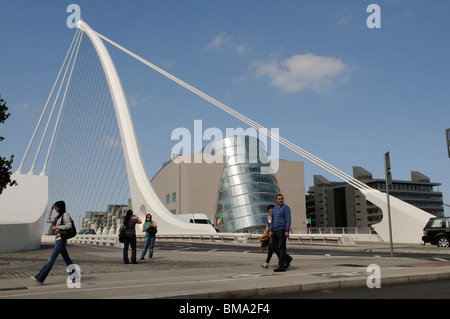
pixel 193 218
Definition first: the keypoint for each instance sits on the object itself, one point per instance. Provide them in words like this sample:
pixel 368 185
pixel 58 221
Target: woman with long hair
pixel 130 222
pixel 62 221
pixel 269 245
pixel 150 236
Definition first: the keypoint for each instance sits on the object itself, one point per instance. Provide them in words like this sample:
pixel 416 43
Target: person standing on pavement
pixel 62 221
pixel 150 236
pixel 269 245
pixel 130 222
pixel 279 232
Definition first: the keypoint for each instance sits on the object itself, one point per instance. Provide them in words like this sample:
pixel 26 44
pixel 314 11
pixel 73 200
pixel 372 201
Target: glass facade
pixel 244 192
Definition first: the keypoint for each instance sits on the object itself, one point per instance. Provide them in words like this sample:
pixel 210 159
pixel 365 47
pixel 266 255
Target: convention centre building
pixel 232 181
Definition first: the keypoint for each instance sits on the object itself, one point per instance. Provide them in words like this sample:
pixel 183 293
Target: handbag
pixel 122 234
pixel 264 237
pixel 152 230
pixel 68 233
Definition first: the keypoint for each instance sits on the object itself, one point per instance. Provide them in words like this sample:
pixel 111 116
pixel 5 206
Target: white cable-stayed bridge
pixel 84 150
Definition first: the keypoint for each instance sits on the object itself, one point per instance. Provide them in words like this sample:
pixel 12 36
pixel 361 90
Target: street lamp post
pixel 447 135
pixel 387 166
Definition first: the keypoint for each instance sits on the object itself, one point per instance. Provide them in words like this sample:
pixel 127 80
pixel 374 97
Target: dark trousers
pixel 269 253
pixel 130 240
pixel 279 247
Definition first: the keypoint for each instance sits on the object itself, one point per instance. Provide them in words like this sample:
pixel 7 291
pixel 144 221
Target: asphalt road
pixel 420 290
pixel 302 250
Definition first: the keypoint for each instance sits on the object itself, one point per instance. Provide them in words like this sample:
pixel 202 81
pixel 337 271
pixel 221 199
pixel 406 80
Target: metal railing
pixel 334 230
pixel 103 240
pixel 336 235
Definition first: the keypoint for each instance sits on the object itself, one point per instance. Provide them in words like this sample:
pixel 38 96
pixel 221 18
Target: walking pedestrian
pixel 62 221
pixel 279 232
pixel 150 228
pixel 130 222
pixel 269 243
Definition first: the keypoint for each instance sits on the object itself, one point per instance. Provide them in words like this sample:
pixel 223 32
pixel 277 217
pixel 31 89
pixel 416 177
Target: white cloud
pixel 22 107
pixel 347 16
pixel 302 72
pixel 219 41
pixel 138 99
pixel 344 20
pixel 240 48
pixel 225 42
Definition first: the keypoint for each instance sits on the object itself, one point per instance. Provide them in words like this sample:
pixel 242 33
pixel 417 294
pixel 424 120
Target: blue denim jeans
pixel 149 242
pixel 60 248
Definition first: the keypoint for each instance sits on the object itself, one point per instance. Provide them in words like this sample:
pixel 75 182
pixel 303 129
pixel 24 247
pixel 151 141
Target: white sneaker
pixel 39 282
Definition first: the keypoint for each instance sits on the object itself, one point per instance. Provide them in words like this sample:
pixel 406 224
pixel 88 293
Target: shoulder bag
pixel 68 233
pixel 122 234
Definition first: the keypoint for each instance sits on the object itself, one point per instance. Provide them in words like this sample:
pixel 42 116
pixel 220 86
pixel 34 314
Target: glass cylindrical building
pixel 245 190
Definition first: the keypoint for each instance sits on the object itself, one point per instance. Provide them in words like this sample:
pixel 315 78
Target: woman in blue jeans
pixel 61 222
pixel 150 231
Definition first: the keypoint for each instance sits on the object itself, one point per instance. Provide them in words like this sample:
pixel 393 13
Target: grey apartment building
pixel 337 204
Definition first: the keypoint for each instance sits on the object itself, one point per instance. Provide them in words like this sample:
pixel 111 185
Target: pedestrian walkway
pixel 178 273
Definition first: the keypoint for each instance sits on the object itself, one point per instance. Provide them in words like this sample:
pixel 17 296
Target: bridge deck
pixel 193 270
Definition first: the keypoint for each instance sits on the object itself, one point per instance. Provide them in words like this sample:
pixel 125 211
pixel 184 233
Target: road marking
pixel 181 249
pixel 440 259
pixel 165 284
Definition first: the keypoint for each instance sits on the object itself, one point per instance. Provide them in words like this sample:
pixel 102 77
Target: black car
pixel 87 232
pixel 437 232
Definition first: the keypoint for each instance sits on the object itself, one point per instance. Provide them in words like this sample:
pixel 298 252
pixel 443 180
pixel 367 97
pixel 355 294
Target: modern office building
pixel 231 182
pixel 337 204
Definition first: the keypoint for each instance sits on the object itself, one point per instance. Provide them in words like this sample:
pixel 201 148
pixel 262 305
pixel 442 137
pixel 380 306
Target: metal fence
pixel 335 235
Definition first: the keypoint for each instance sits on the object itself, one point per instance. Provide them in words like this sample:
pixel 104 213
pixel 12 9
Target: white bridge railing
pixel 338 236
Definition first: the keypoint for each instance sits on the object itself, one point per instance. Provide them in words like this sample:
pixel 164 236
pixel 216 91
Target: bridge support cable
pixel 312 158
pixel 69 52
pixel 76 144
pixel 87 167
pixel 70 64
pixel 61 107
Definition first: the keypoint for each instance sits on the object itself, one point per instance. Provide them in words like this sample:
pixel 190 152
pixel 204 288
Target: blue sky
pixel 313 69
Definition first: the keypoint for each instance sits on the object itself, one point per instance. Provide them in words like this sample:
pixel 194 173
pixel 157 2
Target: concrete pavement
pixel 180 272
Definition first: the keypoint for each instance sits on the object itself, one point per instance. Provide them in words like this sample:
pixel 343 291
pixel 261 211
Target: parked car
pixel 437 232
pixel 88 231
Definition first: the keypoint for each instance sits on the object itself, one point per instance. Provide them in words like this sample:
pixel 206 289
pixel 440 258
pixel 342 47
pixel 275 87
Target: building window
pixel 174 197
pixel 168 199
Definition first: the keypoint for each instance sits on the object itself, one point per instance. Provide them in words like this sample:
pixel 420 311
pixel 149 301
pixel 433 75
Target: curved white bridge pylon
pixel 143 197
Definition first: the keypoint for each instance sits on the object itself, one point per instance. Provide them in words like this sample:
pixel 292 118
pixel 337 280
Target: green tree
pixel 5 164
